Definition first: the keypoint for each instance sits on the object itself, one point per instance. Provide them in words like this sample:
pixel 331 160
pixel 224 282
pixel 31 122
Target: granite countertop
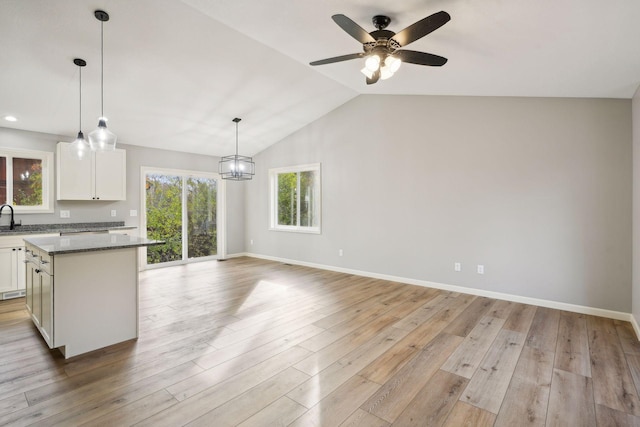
pixel 80 227
pixel 57 245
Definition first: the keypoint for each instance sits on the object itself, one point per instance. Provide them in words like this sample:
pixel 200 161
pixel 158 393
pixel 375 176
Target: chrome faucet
pixel 12 224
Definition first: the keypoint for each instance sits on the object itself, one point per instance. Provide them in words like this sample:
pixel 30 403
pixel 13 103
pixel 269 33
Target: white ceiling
pixel 177 72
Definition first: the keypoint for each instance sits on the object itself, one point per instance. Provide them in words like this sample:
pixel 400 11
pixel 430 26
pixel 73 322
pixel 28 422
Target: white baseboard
pixel 617 315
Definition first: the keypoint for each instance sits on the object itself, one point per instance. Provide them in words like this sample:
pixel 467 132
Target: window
pixel 295 198
pixel 26 179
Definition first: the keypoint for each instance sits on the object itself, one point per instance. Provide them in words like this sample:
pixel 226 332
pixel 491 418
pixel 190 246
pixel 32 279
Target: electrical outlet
pixel 251 242
pixel 480 269
pixel 457 266
pixel 65 214
pixel 340 253
pixel 113 212
pixel 133 212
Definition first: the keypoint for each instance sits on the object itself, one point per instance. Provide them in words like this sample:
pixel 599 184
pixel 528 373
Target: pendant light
pixel 235 167
pixel 102 139
pixel 80 147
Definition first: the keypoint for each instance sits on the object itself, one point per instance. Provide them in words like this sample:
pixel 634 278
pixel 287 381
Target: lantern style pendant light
pixel 235 167
pixel 80 147
pixel 102 139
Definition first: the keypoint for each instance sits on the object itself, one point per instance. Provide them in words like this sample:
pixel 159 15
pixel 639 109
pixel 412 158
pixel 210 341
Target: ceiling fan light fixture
pixel 393 63
pixel 367 72
pixel 385 73
pixel 372 63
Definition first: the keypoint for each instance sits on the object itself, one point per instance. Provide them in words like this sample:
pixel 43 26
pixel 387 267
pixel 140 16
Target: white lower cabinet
pixel 83 301
pixel 39 292
pixel 11 271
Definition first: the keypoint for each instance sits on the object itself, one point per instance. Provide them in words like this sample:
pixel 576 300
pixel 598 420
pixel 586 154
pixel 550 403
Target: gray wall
pixel 636 206
pixel 537 190
pixel 98 211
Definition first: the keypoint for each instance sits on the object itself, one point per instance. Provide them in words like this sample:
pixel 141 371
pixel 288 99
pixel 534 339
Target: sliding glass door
pixel 181 208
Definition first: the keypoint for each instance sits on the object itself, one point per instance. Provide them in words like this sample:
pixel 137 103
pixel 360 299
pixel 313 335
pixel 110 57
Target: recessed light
pixel 10 118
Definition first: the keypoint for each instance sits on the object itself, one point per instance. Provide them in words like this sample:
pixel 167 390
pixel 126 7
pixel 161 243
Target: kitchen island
pixel 82 290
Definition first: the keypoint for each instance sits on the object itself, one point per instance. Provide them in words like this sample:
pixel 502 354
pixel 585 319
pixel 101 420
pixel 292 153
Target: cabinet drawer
pixel 46 263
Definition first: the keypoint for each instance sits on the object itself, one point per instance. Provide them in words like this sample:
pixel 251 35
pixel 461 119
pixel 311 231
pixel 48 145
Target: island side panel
pixel 95 299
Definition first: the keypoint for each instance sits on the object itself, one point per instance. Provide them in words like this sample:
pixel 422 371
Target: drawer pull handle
pixel 36 270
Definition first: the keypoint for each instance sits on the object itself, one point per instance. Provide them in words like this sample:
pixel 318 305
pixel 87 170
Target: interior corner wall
pixel 636 209
pixel 538 190
pixel 100 210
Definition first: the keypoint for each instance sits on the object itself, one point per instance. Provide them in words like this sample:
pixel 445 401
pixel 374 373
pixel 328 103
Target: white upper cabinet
pixel 99 176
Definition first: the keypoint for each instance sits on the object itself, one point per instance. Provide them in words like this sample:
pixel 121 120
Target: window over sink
pixel 26 180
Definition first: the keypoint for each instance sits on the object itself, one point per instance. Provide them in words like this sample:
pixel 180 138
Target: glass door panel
pixel 201 217
pixel 164 217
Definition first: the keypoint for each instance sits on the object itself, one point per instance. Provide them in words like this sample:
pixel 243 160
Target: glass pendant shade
pixel 101 138
pixel 80 147
pixel 236 167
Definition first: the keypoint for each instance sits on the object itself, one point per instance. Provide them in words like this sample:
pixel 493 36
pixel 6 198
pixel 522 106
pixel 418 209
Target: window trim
pixel 47 179
pixel 273 179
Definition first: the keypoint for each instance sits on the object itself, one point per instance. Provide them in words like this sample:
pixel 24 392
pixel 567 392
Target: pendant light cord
pixel 236 139
pixel 101 69
pixel 80 124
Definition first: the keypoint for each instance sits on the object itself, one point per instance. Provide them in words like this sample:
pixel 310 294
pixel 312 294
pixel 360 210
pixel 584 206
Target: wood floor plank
pixel 612 382
pixel 628 338
pixel 328 380
pixel 527 398
pixel 520 318
pixel 135 411
pixel 13 403
pixel 203 402
pixel 336 407
pixel 362 418
pixel 572 350
pixel 280 413
pixel 432 405
pixel 240 408
pixel 223 371
pixel 607 417
pixel 501 309
pixel 488 386
pixel 330 354
pixel 467 320
pixel 396 394
pixel 244 322
pixel 543 333
pixel 467 357
pixel 465 415
pixel 571 400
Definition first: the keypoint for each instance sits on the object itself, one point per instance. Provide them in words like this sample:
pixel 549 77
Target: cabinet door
pixel 46 301
pixel 110 175
pixel 36 306
pixel 29 279
pixel 19 269
pixel 7 265
pixel 75 177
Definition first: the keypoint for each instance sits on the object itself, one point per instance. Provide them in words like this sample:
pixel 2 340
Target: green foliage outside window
pixel 164 217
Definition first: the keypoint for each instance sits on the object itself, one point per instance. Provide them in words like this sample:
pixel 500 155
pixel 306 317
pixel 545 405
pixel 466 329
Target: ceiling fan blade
pixel 353 29
pixel 422 28
pixel 420 58
pixel 374 78
pixel 337 59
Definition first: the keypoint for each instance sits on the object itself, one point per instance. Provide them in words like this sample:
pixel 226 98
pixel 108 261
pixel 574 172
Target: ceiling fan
pixel 382 47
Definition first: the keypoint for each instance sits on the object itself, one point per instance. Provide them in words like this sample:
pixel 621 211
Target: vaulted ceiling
pixel 177 72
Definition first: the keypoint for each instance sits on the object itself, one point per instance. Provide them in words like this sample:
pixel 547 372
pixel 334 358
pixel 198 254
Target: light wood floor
pixel 256 343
